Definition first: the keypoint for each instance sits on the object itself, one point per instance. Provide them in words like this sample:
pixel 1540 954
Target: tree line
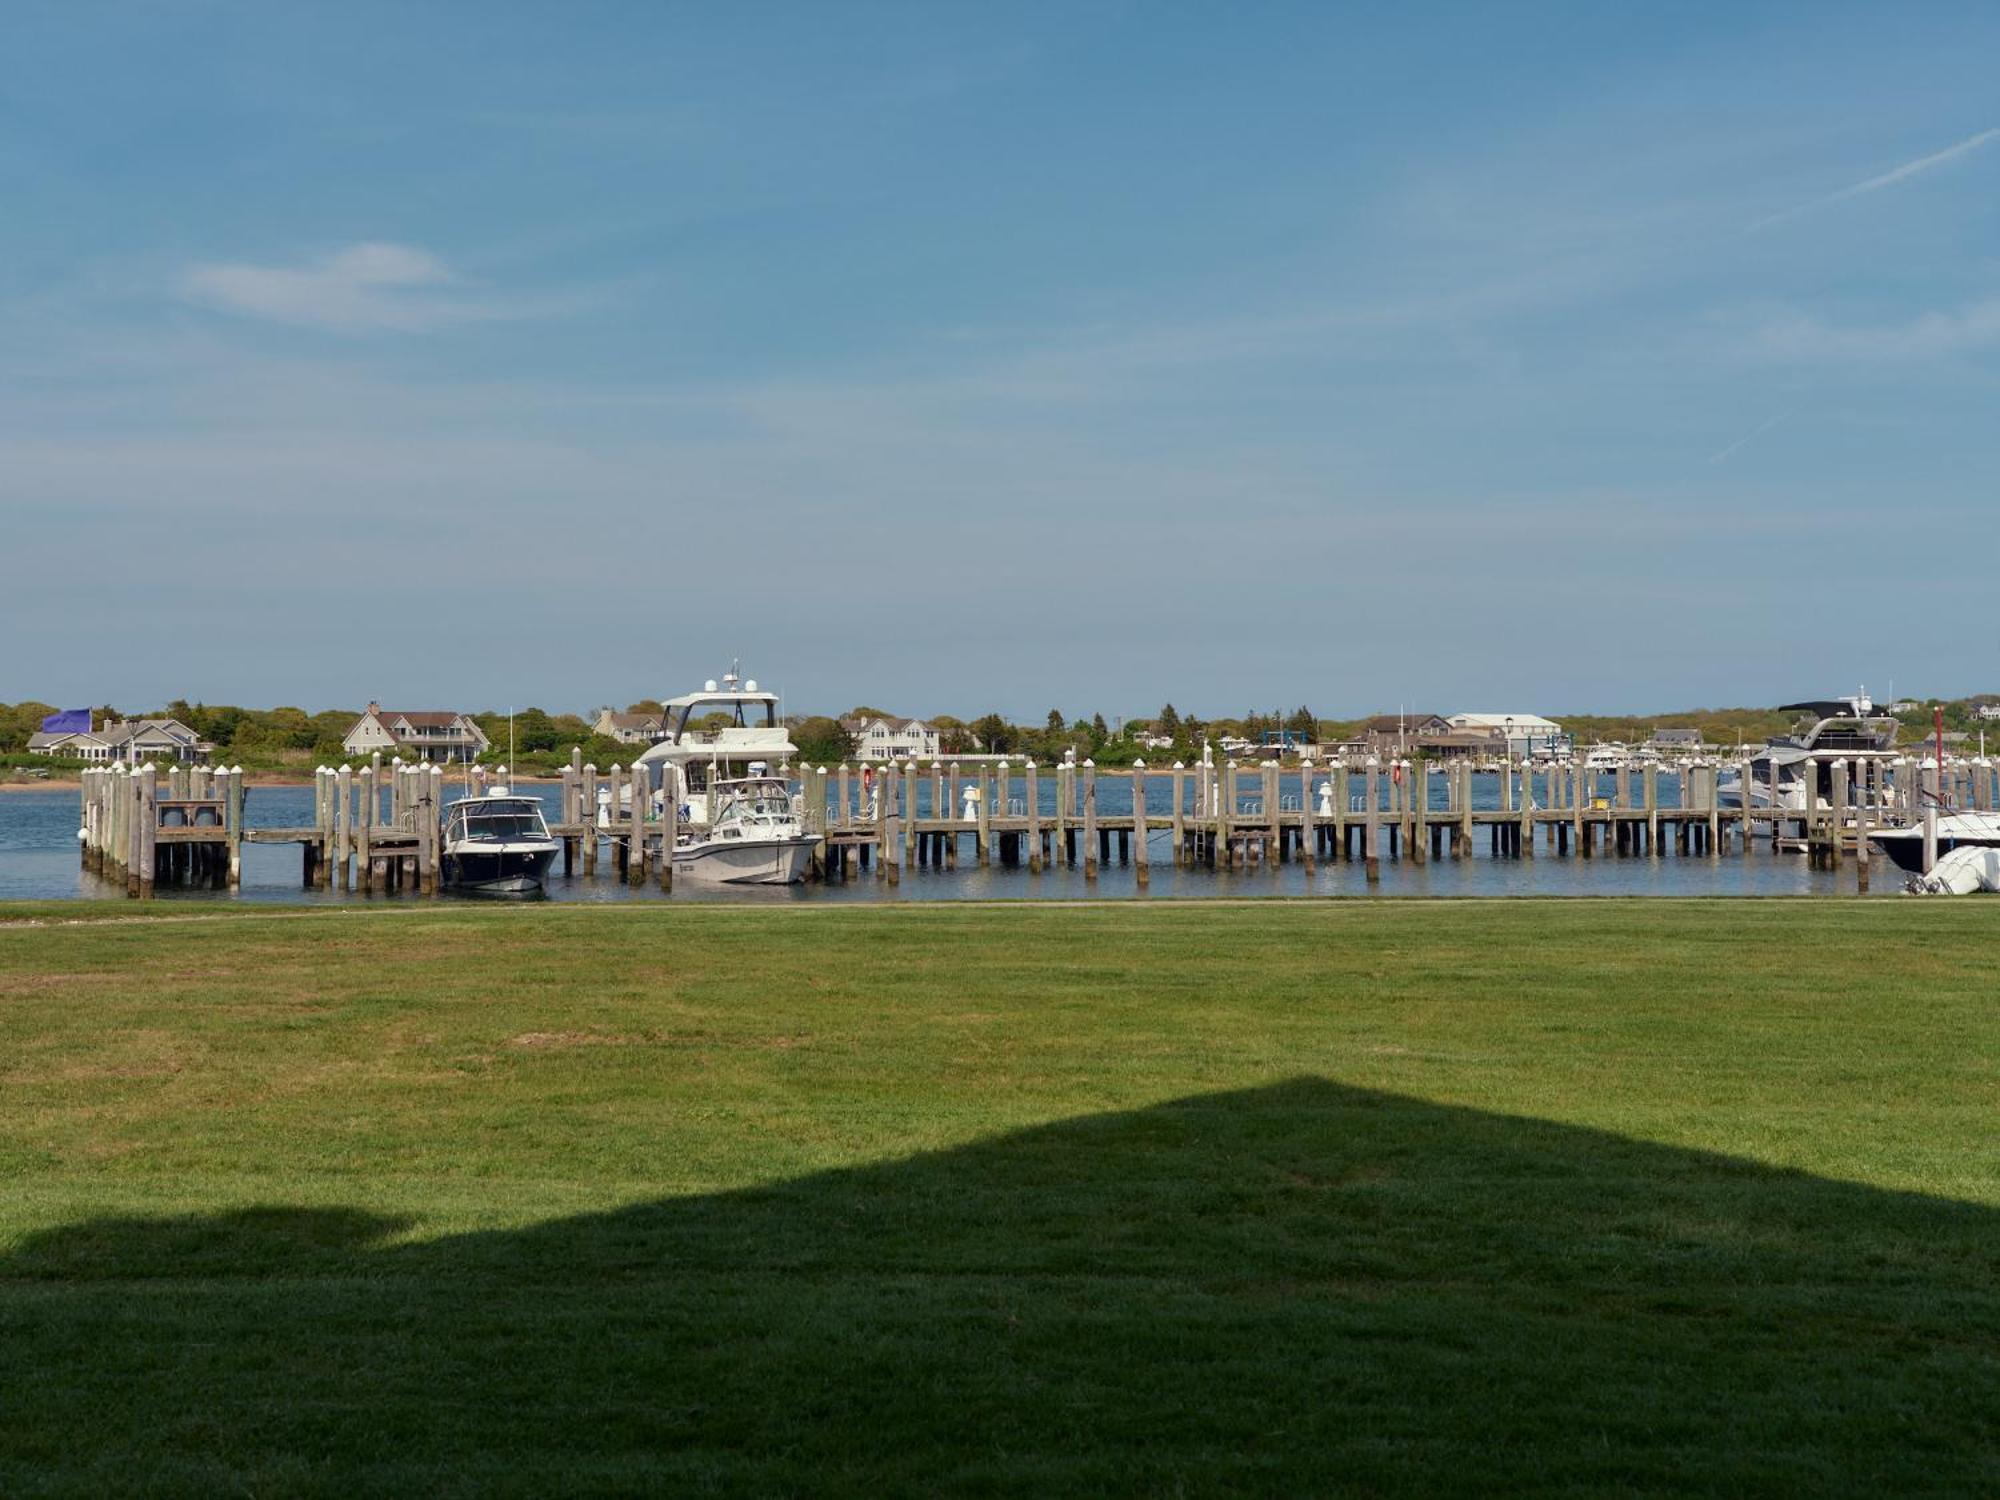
pixel 291 738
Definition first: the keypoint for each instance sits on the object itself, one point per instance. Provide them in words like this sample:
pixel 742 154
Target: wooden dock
pixel 377 828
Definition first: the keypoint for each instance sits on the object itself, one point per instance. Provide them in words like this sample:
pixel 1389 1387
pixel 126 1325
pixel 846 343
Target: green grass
pixel 1568 1198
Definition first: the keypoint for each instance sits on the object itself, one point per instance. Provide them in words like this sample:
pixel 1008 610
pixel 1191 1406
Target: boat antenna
pixel 510 745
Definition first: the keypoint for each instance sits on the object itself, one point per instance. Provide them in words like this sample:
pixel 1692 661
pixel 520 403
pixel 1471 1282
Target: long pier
pixel 378 827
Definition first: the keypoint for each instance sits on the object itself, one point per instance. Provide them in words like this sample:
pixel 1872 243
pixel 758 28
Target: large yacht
pixel 1827 730
pixel 725 764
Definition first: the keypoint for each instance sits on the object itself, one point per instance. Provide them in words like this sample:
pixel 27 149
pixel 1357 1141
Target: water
pixel 39 861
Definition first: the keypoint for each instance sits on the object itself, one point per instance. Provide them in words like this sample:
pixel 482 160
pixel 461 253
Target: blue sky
pixel 962 357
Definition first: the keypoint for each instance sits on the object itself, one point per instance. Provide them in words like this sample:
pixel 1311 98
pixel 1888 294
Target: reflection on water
pixel 39 861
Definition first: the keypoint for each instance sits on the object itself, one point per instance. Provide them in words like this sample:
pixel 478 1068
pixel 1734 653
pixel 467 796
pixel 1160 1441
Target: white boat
pixel 1605 759
pixel 1955 830
pixel 496 845
pixel 1965 870
pixel 737 822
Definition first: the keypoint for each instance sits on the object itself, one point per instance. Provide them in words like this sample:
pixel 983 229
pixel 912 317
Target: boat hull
pixel 1905 847
pixel 506 872
pixel 780 861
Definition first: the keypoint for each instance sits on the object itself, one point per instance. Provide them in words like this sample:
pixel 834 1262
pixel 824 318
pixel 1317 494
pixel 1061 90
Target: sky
pixel 953 358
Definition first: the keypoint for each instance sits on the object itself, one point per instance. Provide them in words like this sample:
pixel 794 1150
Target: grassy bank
pixel 1570 1197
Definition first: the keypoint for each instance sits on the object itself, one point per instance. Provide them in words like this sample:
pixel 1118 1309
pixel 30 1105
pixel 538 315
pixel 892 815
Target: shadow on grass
pixel 1305 1287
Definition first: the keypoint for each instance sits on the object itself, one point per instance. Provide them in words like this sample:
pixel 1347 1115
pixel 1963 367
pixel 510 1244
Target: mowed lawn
pixel 1560 1197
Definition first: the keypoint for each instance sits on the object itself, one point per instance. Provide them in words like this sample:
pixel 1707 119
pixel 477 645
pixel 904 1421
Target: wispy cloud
pixel 1752 435
pixel 1889 178
pixel 1934 335
pixel 368 286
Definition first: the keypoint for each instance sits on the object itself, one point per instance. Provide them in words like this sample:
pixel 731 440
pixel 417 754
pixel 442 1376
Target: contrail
pixel 1886 179
pixel 1755 432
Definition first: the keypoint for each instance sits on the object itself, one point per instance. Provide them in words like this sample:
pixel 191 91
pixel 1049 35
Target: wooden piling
pixel 1090 820
pixel 1142 870
pixel 1034 820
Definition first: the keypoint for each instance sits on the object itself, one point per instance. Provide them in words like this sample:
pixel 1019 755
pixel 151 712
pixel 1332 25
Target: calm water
pixel 39 861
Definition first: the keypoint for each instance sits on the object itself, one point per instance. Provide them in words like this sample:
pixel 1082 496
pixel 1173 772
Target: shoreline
pixel 250 779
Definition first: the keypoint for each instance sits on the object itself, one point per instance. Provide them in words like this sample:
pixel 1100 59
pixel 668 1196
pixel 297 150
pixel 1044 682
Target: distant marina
pixel 716 803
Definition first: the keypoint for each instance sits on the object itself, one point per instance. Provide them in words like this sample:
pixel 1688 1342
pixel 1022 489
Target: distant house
pixel 75 744
pixel 630 729
pixel 426 734
pixel 126 742
pixel 892 739
pixel 1525 734
pixel 1989 711
pixel 1676 739
pixel 1153 741
pixel 1401 734
pixel 1905 706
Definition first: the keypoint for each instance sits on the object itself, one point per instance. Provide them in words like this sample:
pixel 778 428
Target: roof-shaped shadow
pixel 1298 1288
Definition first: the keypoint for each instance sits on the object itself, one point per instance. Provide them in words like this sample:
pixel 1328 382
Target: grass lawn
pixel 1564 1197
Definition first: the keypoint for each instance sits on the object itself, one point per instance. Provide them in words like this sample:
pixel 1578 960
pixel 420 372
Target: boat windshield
pixel 760 802
pixel 502 823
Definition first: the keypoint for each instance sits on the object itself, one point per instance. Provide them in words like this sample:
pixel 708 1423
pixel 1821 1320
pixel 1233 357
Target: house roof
pixel 632 721
pixel 422 718
pixel 900 725
pixel 1391 723
pixel 173 729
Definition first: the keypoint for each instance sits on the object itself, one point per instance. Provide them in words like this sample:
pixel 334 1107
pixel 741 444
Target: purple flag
pixel 68 721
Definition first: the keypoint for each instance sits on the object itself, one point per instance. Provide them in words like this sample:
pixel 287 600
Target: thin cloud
pixel 1752 435
pixel 365 287
pixel 1889 178
pixel 1935 335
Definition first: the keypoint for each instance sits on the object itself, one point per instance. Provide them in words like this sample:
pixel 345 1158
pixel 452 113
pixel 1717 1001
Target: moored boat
pixel 497 844
pixel 1955 830
pixel 737 822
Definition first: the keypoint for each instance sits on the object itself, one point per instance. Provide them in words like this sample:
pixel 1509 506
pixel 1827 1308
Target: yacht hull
pixel 1905 846
pixel 504 872
pixel 779 861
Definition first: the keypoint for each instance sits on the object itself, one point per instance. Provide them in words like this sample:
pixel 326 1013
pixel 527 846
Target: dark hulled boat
pixel 497 845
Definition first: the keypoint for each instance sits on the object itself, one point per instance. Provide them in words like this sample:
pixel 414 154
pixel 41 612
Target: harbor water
pixel 39 861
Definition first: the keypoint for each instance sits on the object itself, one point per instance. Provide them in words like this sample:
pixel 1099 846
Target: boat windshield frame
pixel 466 814
pixel 681 711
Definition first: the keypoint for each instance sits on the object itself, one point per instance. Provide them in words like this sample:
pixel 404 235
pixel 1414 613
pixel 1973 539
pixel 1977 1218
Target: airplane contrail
pixel 1754 433
pixel 1885 179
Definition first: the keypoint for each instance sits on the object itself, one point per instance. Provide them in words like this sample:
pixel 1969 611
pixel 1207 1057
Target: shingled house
pixel 415 734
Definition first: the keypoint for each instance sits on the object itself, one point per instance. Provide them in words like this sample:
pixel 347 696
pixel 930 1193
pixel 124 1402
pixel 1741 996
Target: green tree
pixel 822 741
pixel 994 734
pixel 1303 724
pixel 1168 723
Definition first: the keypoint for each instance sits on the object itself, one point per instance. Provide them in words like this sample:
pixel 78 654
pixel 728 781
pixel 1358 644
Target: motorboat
pixel 1830 730
pixel 1955 830
pixel 737 821
pixel 497 844
pixel 1604 759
